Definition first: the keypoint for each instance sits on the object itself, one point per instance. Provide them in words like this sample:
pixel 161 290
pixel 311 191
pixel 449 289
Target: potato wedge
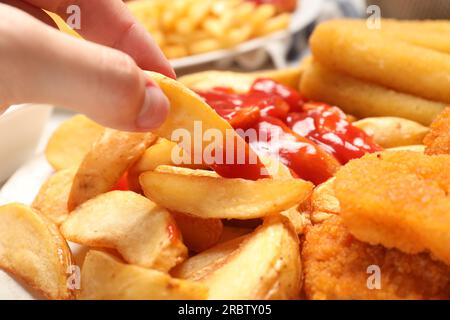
pixel 71 141
pixel 143 233
pixel 266 265
pixel 106 162
pixel 238 81
pixel 33 249
pixel 105 277
pixel 198 234
pixel 158 154
pixel 216 197
pixel 190 114
pixel 391 132
pixel 202 264
pixel 323 202
pixel 52 198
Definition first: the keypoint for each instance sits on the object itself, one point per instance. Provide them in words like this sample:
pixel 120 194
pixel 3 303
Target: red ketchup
pixel 330 128
pixel 311 139
pixel 122 184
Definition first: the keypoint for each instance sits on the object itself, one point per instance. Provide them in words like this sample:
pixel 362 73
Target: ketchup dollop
pixel 312 139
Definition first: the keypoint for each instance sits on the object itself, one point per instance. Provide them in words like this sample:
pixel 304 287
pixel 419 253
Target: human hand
pixel 104 80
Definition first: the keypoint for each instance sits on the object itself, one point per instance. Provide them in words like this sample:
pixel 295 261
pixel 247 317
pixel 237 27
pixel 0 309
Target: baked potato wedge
pixel 143 233
pixel 32 248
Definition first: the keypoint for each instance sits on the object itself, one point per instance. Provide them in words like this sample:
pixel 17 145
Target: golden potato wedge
pixel 52 198
pixel 266 265
pixel 105 277
pixel 143 233
pixel 240 82
pixel 71 141
pixel 33 249
pixel 157 154
pixel 216 197
pixel 189 114
pixel 107 161
pixel 198 234
pixel 390 132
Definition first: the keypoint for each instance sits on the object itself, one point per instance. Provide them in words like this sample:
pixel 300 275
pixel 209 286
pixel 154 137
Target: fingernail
pixel 155 108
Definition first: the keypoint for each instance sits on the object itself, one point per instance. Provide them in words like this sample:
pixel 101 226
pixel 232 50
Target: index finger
pixel 110 23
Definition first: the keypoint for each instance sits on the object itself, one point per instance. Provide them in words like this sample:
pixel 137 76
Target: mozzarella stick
pixel 395 64
pixel 421 34
pixel 364 99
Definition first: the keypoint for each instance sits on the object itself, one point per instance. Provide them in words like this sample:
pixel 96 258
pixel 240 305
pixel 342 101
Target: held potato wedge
pixel 143 233
pixel 105 277
pixel 266 265
pixel 33 249
pixel 217 197
pixel 52 198
pixel 71 141
pixel 391 132
pixel 106 162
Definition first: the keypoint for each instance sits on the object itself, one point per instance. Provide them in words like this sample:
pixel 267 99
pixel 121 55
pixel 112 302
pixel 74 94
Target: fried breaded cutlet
pixel 335 266
pixel 399 200
pixel 438 140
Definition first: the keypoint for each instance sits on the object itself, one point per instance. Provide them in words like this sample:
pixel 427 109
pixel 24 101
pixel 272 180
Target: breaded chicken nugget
pixel 398 199
pixel 336 266
pixel 438 140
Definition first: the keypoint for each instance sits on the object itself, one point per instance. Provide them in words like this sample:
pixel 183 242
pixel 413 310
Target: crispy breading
pixel 336 267
pixel 398 199
pixel 438 140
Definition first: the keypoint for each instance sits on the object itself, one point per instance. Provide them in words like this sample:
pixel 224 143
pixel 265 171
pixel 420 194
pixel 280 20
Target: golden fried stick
pixel 364 99
pixel 395 64
pixel 438 140
pixel 335 266
pixel 400 199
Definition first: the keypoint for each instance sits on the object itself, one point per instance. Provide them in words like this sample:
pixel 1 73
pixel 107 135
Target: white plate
pixel 308 11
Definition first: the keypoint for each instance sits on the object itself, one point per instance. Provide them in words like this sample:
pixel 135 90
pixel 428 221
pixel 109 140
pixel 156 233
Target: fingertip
pixel 154 110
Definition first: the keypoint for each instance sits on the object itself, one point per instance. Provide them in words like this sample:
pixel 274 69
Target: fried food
pixel 338 266
pixel 143 233
pixel 398 199
pixel 391 132
pixel 367 55
pixel 105 277
pixel 200 194
pixel 198 234
pixel 240 82
pixel 438 140
pixel 71 141
pixel 265 265
pixel 109 158
pixel 32 248
pixel 363 99
pixel 52 198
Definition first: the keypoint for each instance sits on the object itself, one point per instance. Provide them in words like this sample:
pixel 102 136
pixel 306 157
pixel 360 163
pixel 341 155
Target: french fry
pixel 364 99
pixel 143 233
pixel 216 197
pixel 71 141
pixel 52 198
pixel 405 67
pixel 390 132
pixel 33 249
pixel 106 162
pixel 105 277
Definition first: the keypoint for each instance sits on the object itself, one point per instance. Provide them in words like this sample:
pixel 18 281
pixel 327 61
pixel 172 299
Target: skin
pixel 101 77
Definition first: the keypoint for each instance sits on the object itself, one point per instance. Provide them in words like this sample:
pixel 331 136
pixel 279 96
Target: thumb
pixel 41 65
